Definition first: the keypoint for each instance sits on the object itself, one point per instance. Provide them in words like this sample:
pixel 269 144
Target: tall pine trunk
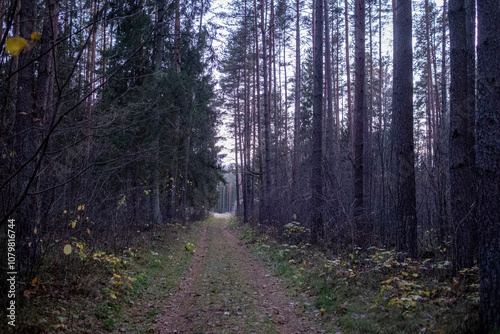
pixel 317 140
pixel 267 118
pixel 359 119
pixel 461 153
pixel 296 117
pixel 406 213
pixel 488 161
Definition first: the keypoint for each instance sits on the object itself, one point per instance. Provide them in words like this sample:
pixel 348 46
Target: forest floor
pixel 219 276
pixel 227 291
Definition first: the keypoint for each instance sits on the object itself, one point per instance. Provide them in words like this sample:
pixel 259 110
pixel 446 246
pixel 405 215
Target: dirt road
pixel 227 291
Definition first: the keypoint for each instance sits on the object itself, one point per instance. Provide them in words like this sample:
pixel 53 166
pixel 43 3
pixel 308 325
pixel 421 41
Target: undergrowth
pixel 92 291
pixel 370 290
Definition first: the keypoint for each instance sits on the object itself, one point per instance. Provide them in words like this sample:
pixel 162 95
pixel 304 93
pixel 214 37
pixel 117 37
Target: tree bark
pixel 359 118
pixel 296 121
pixel 348 68
pixel 157 217
pixel 488 162
pixel 267 120
pixel 461 152
pixel 406 213
pixel 317 140
pixel 329 90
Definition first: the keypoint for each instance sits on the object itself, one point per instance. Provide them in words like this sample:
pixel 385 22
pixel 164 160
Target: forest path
pixel 226 290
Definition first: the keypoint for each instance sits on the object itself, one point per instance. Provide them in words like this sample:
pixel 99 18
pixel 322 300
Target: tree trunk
pixel 359 118
pixel 236 160
pixel 317 140
pixel 259 122
pixel 348 68
pixel 296 120
pixel 177 37
pixel 406 213
pixel 488 162
pixel 329 146
pixel 247 147
pixel 267 120
pixel 368 134
pixel 157 217
pixel 461 154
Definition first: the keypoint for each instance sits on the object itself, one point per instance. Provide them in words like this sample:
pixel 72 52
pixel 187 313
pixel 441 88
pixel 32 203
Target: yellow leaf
pixel 73 224
pixel 35 281
pixel 112 294
pixel 35 230
pixel 14 45
pixel 67 249
pixel 35 36
pixel 88 231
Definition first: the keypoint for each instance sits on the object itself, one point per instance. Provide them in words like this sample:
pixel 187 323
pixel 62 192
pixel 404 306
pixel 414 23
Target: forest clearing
pixel 354 142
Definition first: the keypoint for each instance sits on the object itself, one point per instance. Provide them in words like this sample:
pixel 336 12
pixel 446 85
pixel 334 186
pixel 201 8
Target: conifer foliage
pixel 107 106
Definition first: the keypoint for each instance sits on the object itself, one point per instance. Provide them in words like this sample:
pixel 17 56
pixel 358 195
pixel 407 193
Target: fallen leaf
pixel 67 249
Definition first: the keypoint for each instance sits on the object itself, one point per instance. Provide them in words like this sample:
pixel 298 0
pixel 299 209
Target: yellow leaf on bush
pixel 67 249
pixel 35 281
pixel 14 45
pixel 73 224
pixel 35 36
pixel 88 231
